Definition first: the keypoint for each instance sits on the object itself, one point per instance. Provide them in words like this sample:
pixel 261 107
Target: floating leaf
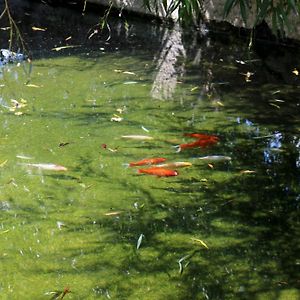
pixel 3 163
pixel 129 73
pixel 38 28
pixel 33 85
pixel 247 172
pixel 200 241
pixel 65 47
pixel 113 213
pixel 194 88
pixel 139 241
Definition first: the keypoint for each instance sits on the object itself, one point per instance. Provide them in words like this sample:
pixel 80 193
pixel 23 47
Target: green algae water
pixel 225 228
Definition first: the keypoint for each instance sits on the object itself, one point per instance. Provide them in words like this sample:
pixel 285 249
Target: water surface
pixel 218 230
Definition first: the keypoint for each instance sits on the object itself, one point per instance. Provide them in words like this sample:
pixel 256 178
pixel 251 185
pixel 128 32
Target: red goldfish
pixel 203 141
pixel 197 144
pixel 160 172
pixel 147 161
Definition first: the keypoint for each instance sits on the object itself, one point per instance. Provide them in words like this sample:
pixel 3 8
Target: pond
pixel 75 215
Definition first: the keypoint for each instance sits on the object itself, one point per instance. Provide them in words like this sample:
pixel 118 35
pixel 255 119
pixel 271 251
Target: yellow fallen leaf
pixel 200 241
pixel 65 47
pixel 33 85
pixel 129 73
pixel 3 163
pixel 113 213
pixel 220 103
pixel 194 88
pixel 247 172
pixel 38 28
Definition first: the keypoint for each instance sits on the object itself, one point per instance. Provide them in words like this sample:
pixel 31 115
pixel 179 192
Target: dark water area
pixel 75 216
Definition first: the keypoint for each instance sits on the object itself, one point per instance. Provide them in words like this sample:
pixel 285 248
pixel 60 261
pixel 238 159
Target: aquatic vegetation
pixel 224 228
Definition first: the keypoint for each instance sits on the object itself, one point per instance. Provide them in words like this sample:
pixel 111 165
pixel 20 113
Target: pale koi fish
pixel 47 167
pixel 137 137
pixel 215 158
pixel 177 164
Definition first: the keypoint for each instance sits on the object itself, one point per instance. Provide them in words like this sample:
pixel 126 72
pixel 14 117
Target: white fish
pixel 176 164
pixel 48 167
pixel 137 137
pixel 215 158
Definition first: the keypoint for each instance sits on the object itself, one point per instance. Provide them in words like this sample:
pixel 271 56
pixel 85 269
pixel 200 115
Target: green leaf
pixel 229 4
pixel 274 21
pixel 262 11
pixel 293 6
pixel 243 11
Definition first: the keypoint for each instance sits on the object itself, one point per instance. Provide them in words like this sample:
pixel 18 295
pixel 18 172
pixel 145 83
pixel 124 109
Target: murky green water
pixel 218 230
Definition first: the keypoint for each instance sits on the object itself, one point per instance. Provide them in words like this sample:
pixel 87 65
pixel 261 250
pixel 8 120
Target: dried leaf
pixel 65 47
pixel 3 163
pixel 247 172
pixel 38 28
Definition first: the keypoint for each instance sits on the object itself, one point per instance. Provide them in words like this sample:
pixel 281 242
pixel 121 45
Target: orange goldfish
pixel 198 144
pixel 147 161
pixel 160 172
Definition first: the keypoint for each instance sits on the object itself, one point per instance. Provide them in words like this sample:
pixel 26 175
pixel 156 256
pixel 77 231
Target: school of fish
pixel 158 166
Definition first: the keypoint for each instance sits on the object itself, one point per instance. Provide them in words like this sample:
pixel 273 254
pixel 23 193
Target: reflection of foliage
pixel 14 32
pixel 279 11
pixel 189 11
